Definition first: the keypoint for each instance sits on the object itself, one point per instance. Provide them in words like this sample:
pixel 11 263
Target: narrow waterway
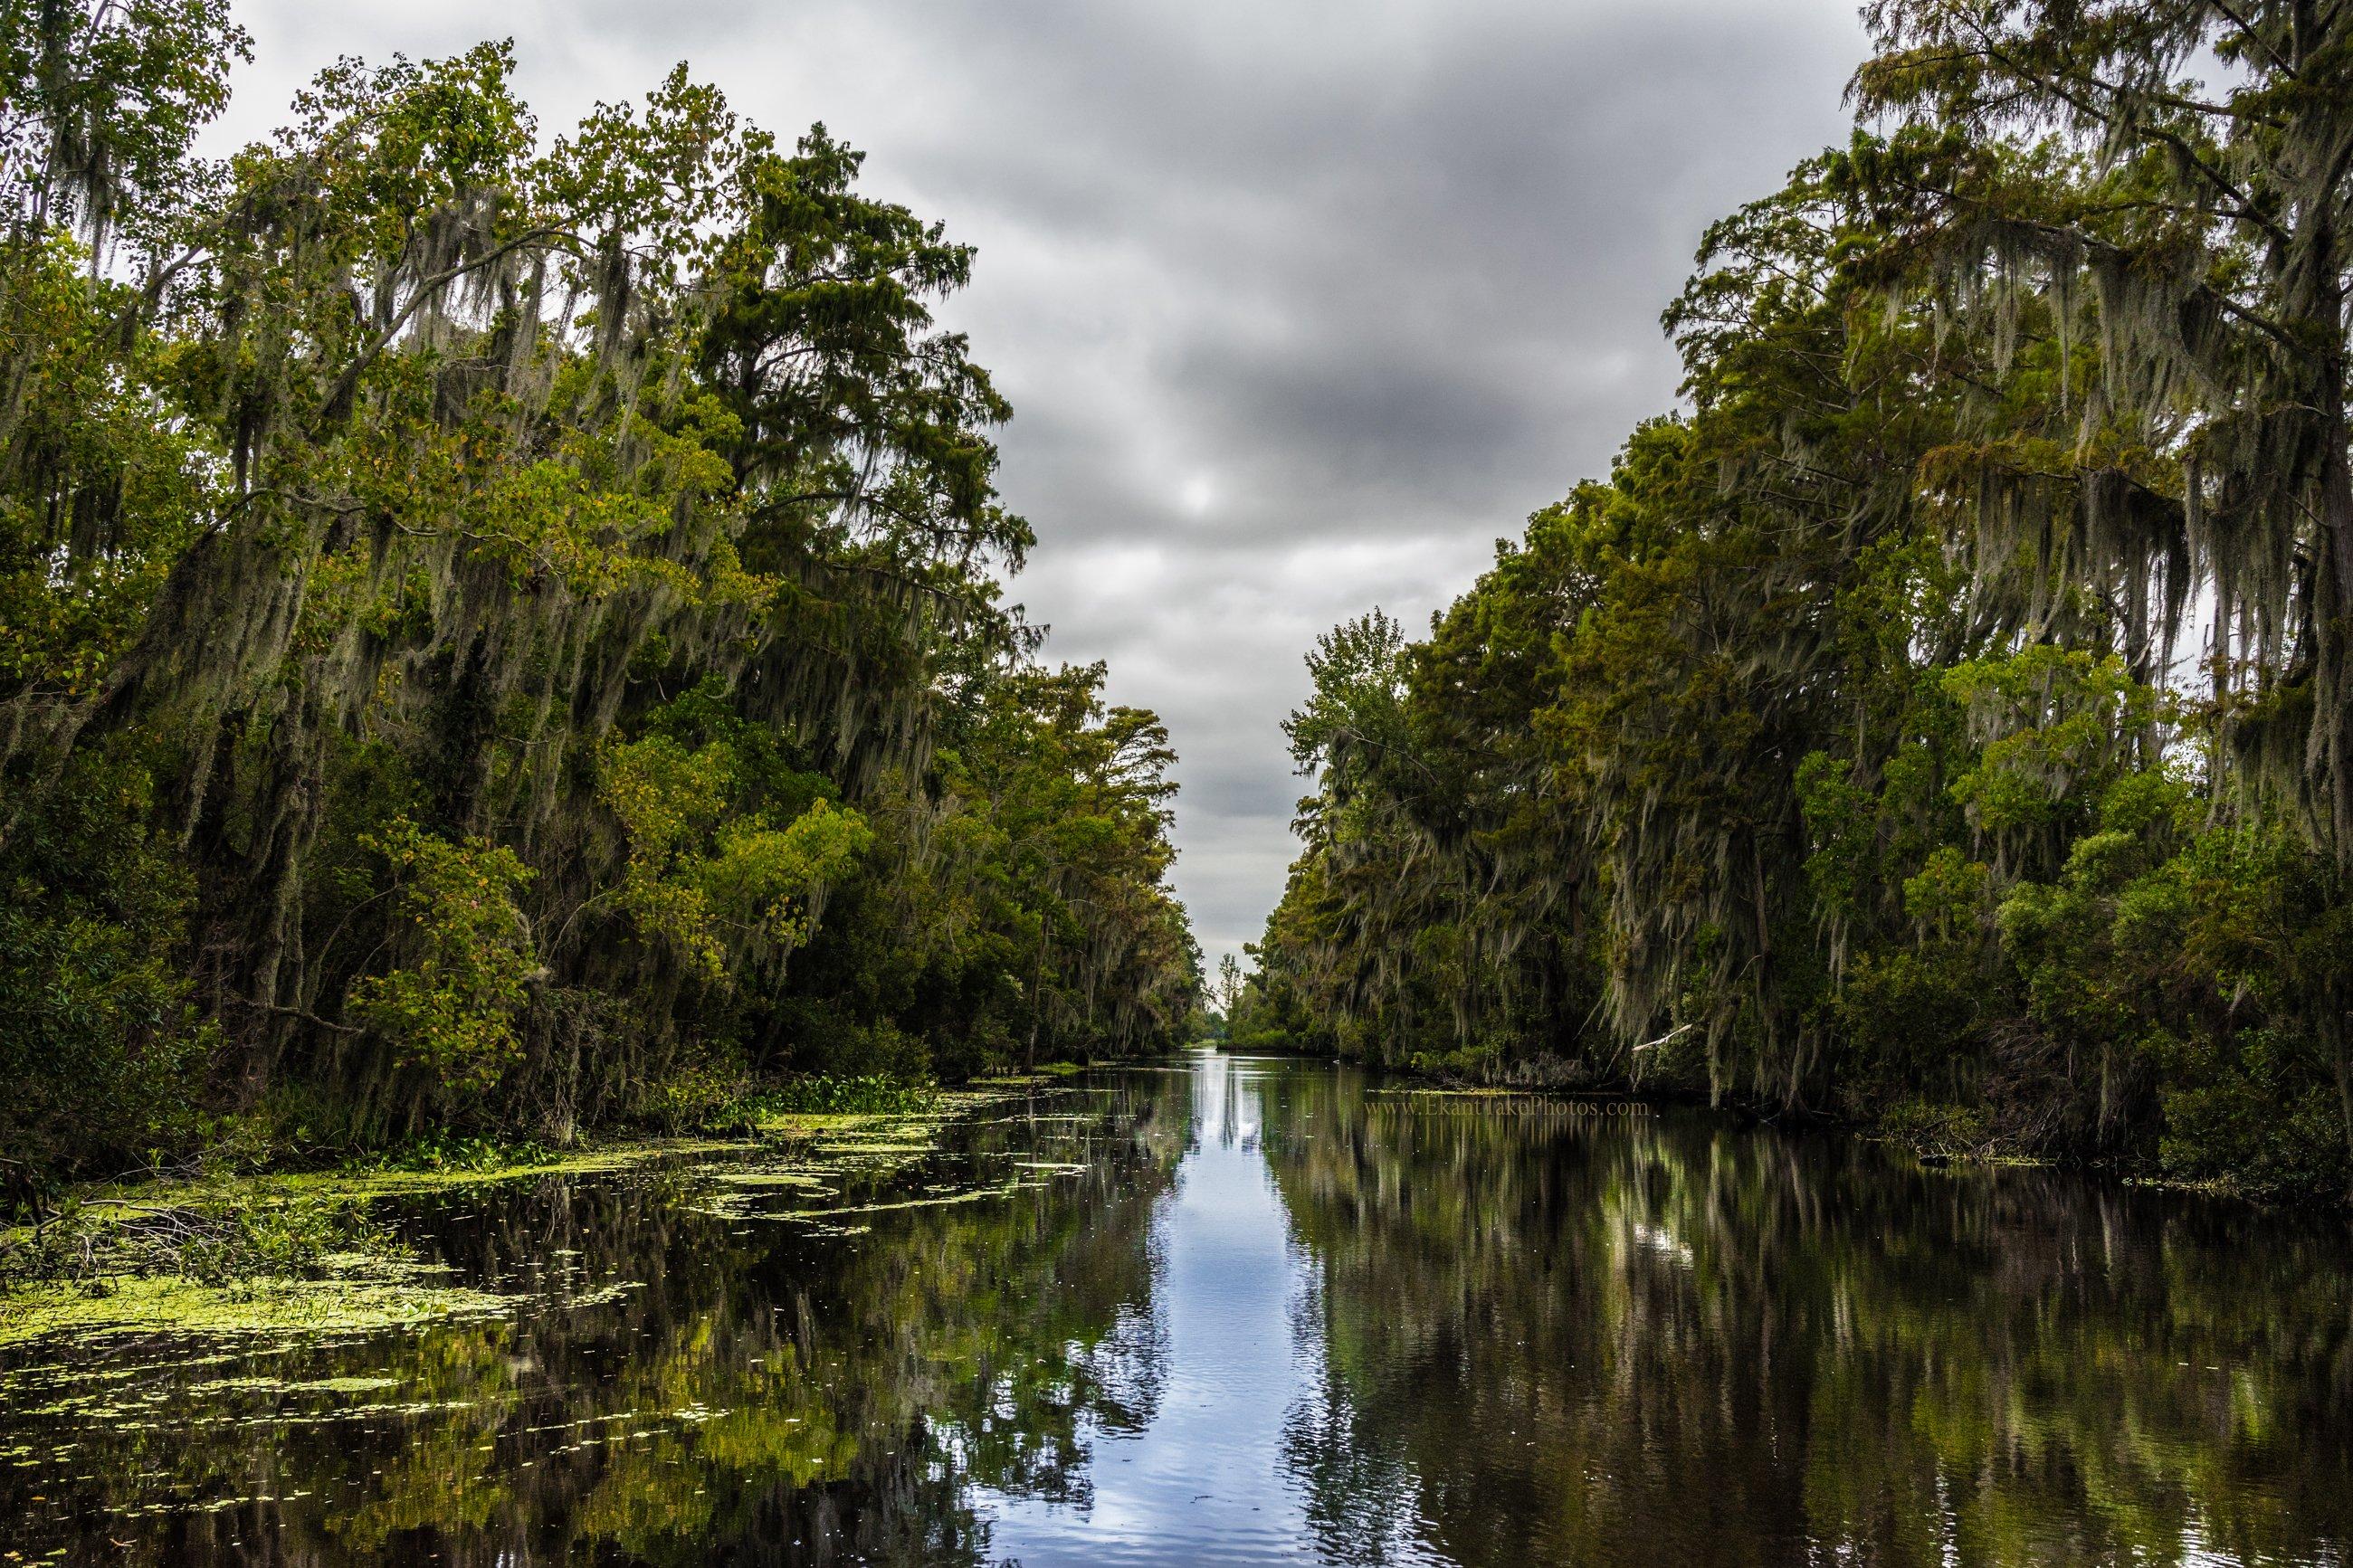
pixel 1235 1311
pixel 1237 1365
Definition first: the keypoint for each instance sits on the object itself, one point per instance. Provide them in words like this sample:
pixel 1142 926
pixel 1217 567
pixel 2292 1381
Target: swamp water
pixel 1252 1311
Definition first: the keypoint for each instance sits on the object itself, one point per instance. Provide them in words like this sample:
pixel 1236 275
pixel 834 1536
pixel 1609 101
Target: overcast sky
pixel 1299 305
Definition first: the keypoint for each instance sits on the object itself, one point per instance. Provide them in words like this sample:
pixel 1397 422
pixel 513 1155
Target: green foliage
pixel 104 102
pixel 1027 918
pixel 1833 754
pixel 821 1093
pixel 697 870
pixel 502 633
pixel 472 1154
pixel 449 1006
pixel 103 1050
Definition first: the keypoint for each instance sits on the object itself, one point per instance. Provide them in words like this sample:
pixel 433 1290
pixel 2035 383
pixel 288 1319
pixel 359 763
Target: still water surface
pixel 1258 1311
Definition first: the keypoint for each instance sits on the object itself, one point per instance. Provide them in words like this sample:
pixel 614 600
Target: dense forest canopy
pixel 1944 720
pixel 504 630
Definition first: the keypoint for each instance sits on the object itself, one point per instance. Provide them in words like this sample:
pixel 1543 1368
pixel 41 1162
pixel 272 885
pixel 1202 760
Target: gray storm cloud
pixel 1300 305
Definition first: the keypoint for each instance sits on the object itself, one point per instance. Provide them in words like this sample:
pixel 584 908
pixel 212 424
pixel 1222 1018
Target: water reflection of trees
pixel 749 1397
pixel 1675 1341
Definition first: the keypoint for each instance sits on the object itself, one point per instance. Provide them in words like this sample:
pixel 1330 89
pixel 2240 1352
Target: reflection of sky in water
pixel 1282 1324
pixel 1206 1480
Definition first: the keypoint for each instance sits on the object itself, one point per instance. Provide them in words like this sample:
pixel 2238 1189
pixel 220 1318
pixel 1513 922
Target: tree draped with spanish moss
pixel 475 604
pixel 1942 723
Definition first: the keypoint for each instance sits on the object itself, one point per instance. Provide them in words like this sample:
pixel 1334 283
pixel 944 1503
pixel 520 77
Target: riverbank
pixel 1936 1135
pixel 272 1252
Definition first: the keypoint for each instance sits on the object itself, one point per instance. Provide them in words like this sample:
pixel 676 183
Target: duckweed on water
pixel 377 1293
pixel 600 1160
pixel 350 1276
pixel 280 1385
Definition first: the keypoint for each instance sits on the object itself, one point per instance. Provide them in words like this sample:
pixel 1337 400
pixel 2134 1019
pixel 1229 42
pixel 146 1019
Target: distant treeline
pixel 502 632
pixel 1944 722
